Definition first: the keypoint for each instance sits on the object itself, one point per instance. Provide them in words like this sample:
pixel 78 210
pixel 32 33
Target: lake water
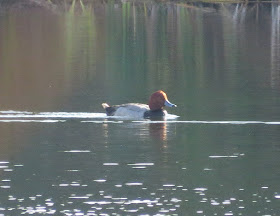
pixel 60 154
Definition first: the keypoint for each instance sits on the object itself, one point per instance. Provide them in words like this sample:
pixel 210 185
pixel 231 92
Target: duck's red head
pixel 158 100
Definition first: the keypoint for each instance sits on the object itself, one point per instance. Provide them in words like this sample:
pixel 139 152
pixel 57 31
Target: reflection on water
pixel 159 130
pixel 216 154
pixel 275 46
pixel 74 62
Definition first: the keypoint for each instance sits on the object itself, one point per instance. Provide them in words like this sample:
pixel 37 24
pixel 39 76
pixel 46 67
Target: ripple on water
pixel 54 117
pixel 4 162
pixel 110 164
pixel 25 114
pixel 3 167
pixel 77 151
pixel 133 183
pixel 30 120
pixel 162 202
pixel 100 180
pixel 78 197
pixel 235 155
pixel 140 165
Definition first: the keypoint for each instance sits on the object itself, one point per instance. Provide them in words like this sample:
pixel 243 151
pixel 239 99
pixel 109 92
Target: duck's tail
pixel 110 110
pixel 105 105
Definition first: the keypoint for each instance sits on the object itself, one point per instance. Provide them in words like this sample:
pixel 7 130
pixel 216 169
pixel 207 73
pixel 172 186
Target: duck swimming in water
pixel 137 110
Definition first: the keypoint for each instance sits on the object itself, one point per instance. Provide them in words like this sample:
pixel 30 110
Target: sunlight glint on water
pixel 32 117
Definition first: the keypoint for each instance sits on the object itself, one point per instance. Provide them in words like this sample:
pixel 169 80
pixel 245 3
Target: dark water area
pixel 217 153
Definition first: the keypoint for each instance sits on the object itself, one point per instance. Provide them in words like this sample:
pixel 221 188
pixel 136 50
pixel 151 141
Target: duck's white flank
pixel 132 110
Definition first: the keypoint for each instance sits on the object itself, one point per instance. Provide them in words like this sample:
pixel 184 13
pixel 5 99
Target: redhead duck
pixel 136 110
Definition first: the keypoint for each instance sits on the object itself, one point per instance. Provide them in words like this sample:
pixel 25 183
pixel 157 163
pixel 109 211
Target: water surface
pixel 217 153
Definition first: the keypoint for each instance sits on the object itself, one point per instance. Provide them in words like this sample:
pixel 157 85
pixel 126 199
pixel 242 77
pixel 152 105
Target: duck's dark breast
pixel 154 113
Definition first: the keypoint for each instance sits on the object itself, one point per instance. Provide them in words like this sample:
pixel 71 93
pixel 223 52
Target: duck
pixel 155 108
